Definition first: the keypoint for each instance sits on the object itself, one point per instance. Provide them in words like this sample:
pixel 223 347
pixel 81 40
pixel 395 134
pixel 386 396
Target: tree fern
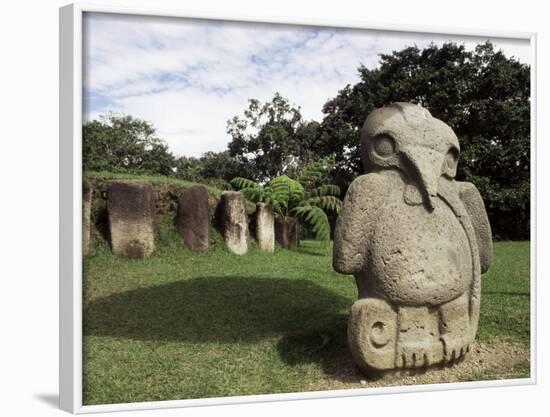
pixel 286 190
pixel 290 198
pixel 316 218
pixel 255 195
pixel 316 170
pixel 326 202
pixel 241 183
pixel 326 189
pixel 251 190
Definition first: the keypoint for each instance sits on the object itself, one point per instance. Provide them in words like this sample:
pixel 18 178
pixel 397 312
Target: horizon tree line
pixel 483 95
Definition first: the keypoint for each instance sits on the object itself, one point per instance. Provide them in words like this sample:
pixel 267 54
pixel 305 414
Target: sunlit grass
pixel 183 325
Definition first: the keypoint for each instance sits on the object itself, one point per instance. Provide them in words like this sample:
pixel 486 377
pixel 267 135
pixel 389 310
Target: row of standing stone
pixel 132 213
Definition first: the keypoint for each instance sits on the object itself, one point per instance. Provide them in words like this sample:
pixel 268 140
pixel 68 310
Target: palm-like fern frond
pixel 325 202
pixel 316 218
pixel 256 195
pixel 241 183
pixel 269 198
pixel 326 189
pixel 285 190
pixel 251 190
pixel 315 170
pixel 288 196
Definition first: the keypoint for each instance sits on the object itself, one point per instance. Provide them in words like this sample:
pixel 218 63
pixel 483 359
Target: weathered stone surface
pixel 372 334
pixel 294 233
pixel 417 242
pixel 265 227
pixel 474 205
pixel 287 232
pixel 86 218
pixel 193 218
pixel 131 210
pixel 234 222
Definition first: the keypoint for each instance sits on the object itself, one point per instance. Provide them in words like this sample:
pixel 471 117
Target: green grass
pixel 154 179
pixel 181 325
pixel 505 302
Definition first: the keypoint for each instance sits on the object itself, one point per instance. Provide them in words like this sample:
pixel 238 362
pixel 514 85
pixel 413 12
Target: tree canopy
pixel 307 198
pixel 122 143
pixel 271 138
pixel 483 95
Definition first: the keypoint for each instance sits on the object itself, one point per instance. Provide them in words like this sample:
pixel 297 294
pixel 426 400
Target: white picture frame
pixel 70 285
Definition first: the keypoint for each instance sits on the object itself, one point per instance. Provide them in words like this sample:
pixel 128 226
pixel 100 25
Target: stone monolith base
pixel 86 218
pixel 265 227
pixel 287 232
pixel 234 222
pixel 194 218
pixel 131 209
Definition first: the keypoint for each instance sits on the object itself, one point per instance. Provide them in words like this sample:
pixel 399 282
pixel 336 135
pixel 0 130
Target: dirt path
pixel 499 360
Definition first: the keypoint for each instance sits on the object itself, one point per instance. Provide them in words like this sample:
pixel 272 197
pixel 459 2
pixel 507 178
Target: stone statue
pixel 417 242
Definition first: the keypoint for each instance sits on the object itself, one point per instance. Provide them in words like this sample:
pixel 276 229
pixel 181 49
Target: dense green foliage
pixel 212 168
pixel 120 143
pixel 482 95
pixel 124 144
pixel 307 198
pixel 156 180
pixel 272 138
pixel 177 325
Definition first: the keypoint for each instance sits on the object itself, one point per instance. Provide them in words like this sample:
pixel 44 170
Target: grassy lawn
pixel 153 179
pixel 181 325
pixel 505 302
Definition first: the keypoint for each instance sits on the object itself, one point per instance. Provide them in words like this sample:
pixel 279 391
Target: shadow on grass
pixel 305 316
pixel 327 346
pixel 215 309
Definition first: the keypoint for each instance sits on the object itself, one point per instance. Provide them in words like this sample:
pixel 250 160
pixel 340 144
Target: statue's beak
pixel 427 164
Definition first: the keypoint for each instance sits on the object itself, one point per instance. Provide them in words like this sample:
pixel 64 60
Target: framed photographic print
pixel 257 210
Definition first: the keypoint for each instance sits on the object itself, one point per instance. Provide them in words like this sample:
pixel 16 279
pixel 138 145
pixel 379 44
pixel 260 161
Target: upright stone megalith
pixel 417 242
pixel 265 227
pixel 234 222
pixel 194 218
pixel 131 209
pixel 287 232
pixel 86 217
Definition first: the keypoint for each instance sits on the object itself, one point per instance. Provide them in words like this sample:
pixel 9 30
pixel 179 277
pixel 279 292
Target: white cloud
pixel 188 77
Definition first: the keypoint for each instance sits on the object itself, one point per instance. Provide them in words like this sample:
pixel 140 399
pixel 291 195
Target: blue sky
pixel 188 77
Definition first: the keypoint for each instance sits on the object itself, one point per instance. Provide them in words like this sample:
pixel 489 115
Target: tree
pixel 120 143
pixel 271 139
pixel 482 95
pixel 213 168
pixel 222 165
pixel 189 168
pixel 307 199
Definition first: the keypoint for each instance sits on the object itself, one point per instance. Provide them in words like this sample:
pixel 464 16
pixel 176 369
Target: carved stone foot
pixel 454 347
pixel 454 326
pixel 418 344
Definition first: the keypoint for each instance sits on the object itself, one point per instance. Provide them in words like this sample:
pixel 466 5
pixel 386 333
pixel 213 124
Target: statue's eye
pixel 451 159
pixel 384 146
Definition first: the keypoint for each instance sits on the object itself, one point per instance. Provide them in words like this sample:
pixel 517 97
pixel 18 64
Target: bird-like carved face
pixel 405 136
